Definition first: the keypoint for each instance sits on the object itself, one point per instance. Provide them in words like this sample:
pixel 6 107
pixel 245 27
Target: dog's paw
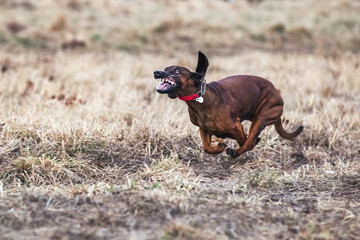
pixel 231 152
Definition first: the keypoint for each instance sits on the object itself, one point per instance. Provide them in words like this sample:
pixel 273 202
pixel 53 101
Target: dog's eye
pixel 177 71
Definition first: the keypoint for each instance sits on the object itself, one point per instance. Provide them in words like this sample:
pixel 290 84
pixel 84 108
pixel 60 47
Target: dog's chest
pixel 207 122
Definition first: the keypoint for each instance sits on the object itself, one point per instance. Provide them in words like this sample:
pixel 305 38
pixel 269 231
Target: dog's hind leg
pixel 206 139
pixel 251 141
pixel 268 112
pixel 258 124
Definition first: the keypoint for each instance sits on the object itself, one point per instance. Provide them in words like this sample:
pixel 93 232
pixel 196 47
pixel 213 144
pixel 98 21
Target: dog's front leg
pixel 238 132
pixel 206 139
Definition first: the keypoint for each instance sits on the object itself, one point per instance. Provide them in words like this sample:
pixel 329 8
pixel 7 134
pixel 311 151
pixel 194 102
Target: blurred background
pixel 166 27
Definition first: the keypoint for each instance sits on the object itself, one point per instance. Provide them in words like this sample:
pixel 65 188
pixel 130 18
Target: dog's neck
pixel 209 99
pixel 198 96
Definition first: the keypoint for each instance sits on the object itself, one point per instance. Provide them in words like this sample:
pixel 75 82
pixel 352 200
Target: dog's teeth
pixel 167 81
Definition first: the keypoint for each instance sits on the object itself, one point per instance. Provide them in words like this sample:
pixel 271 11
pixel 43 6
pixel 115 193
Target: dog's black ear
pixel 197 77
pixel 172 96
pixel 202 64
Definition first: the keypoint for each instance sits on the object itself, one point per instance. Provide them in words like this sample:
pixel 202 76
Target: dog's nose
pixel 157 73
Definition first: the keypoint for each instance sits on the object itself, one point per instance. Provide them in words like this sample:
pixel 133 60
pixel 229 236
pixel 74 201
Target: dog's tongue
pixel 162 86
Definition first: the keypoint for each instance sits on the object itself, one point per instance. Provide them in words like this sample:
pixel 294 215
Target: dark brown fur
pixel 227 103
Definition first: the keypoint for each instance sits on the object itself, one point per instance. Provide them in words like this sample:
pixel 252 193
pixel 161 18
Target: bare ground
pixel 259 197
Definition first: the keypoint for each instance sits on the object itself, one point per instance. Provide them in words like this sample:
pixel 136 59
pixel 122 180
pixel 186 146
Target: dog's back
pixel 245 82
pixel 244 93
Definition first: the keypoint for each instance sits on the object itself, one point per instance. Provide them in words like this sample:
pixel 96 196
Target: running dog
pixel 218 108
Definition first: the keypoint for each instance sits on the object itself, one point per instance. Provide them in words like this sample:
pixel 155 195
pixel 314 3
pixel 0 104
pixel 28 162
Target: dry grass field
pixel 89 150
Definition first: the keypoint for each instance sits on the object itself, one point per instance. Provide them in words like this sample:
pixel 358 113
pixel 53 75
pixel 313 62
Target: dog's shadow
pixel 217 166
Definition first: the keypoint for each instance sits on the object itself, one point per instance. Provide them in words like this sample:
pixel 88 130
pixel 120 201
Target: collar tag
pixel 199 99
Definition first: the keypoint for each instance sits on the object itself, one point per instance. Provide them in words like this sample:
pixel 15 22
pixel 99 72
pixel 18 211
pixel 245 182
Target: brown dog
pixel 218 108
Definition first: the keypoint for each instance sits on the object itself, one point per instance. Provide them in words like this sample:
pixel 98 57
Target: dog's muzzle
pixel 160 74
pixel 168 83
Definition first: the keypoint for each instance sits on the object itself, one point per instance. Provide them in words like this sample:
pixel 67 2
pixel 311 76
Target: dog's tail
pixel 280 130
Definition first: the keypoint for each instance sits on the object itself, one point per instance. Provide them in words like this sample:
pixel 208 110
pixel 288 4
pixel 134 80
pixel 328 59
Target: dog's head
pixel 176 80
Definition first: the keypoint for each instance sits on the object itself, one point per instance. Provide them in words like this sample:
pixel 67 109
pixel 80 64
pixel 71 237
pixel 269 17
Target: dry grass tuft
pixel 58 24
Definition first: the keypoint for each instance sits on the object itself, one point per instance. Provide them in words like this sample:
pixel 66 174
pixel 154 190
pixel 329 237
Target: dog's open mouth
pixel 166 84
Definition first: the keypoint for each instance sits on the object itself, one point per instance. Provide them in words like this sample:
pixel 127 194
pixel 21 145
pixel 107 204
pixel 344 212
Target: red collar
pixel 189 98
